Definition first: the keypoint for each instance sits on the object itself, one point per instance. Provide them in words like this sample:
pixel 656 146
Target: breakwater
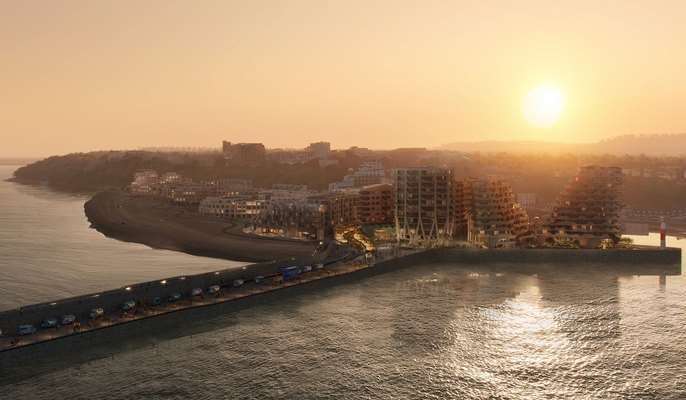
pixel 151 320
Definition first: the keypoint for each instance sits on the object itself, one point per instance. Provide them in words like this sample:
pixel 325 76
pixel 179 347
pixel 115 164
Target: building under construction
pixel 587 210
pixel 423 205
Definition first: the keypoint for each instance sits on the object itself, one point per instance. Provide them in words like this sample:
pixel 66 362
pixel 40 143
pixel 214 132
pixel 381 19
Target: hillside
pixel 94 171
pixel 653 145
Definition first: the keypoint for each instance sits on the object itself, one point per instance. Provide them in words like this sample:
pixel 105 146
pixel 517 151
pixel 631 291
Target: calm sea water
pixel 48 251
pixel 431 332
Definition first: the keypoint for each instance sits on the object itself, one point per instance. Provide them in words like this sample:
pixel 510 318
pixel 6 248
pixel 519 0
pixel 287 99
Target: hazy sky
pixel 86 75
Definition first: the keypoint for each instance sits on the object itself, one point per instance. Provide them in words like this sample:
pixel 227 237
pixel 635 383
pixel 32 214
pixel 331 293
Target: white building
pixel 144 182
pixel 368 173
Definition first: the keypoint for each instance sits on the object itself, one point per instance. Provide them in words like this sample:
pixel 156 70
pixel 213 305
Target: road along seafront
pixel 241 287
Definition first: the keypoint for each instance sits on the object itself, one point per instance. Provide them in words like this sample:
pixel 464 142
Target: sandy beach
pixel 158 224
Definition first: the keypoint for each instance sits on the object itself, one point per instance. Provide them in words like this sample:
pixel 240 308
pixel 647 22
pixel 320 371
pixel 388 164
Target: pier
pixel 155 298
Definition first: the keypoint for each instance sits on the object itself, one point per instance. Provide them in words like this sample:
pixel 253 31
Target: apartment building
pixel 423 205
pixel 588 208
pixel 375 204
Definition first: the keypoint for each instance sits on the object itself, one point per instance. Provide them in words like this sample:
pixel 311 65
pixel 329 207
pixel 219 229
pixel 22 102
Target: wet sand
pixel 160 225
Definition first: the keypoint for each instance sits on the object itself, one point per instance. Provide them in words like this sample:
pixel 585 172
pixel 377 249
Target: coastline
pixel 160 225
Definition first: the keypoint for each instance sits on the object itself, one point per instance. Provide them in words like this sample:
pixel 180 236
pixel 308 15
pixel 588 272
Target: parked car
pixel 214 289
pixel 49 323
pixel 319 266
pixel 128 305
pixel 174 297
pixel 27 329
pixel 259 279
pixel 68 319
pixel 288 273
pixel 156 301
pixel 196 292
pixel 307 268
pixel 238 283
pixel 97 313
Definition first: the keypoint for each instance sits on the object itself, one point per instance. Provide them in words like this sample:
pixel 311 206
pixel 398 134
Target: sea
pixel 434 331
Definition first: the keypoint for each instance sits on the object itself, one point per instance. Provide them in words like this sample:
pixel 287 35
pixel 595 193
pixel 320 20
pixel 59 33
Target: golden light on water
pixel 543 106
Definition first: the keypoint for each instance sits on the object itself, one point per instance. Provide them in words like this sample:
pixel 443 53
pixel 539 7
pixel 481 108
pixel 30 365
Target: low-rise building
pixel 375 204
pixel 342 207
pixel 144 182
pixel 191 193
pixel 232 207
pixel 368 173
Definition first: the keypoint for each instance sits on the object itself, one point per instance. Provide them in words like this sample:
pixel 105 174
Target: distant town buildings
pixel 319 150
pixel 302 219
pixel 232 207
pixel 144 182
pixel 419 206
pixel 369 172
pixel 587 211
pixel 244 153
pixel 227 186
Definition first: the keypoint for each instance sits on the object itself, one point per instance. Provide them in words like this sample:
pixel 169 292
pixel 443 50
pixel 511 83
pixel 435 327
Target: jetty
pixel 86 315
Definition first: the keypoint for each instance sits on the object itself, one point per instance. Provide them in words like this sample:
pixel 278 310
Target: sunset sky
pixel 88 75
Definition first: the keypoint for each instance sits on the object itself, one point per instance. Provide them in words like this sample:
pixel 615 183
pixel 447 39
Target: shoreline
pixel 160 225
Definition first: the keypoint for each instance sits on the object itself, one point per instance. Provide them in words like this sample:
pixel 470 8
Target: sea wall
pixel 645 256
pixel 144 292
pixel 109 341
pixel 661 260
pixel 640 261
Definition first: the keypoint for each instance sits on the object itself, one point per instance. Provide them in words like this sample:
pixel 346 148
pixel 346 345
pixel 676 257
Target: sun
pixel 543 105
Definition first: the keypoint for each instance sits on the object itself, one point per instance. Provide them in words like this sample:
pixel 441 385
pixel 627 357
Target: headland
pixel 160 225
